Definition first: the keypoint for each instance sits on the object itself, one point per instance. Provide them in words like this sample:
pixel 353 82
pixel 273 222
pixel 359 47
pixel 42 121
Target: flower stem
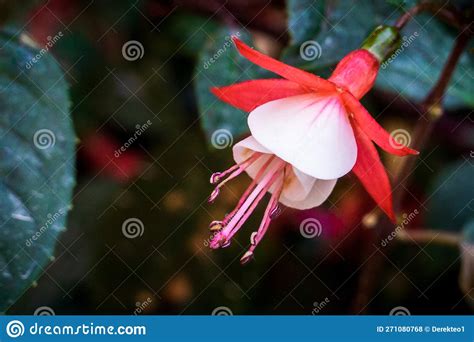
pixel 432 105
pixel 429 236
pixel 447 14
pixel 433 109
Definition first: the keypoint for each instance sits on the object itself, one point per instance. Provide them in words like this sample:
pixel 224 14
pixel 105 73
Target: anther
pixel 215 226
pixel 214 195
pixel 246 258
pixel 215 177
pixel 253 237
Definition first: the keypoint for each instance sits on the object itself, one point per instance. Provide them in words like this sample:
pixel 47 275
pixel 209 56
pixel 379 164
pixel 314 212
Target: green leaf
pixel 36 162
pixel 451 203
pixel 304 18
pixel 220 64
pixel 418 64
pixel 189 32
pixel 343 27
pixel 346 24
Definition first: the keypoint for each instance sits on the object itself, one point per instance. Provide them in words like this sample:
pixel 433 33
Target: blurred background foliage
pixel 163 177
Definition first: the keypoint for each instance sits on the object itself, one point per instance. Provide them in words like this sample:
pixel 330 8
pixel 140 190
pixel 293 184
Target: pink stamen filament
pixel 257 236
pixel 240 166
pixel 247 192
pixel 253 199
pixel 267 215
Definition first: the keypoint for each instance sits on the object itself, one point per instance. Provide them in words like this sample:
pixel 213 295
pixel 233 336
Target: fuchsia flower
pixel 306 133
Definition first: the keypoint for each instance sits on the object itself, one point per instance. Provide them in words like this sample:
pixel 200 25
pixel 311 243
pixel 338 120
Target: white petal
pixel 245 148
pixel 297 185
pixel 311 132
pixel 319 193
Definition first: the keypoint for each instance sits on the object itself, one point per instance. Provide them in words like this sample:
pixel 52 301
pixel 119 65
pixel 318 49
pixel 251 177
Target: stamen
pixel 252 238
pixel 256 237
pixel 238 216
pixel 252 201
pixel 246 257
pixel 214 195
pixel 247 192
pixel 216 177
pixel 275 212
pixel 215 226
pixel 217 240
pixel 236 170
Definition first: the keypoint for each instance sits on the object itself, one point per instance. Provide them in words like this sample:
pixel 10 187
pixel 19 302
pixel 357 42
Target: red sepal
pixel 284 70
pixel 371 172
pixel 356 72
pixel 372 129
pixel 250 94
